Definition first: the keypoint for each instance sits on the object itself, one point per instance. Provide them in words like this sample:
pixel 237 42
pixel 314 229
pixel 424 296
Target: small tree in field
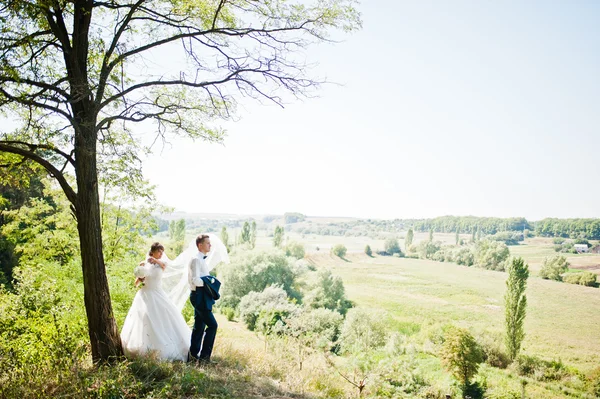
pixel 278 236
pixel 553 267
pixel 392 246
pixel 225 237
pixel 245 235
pixel 368 250
pixel 461 356
pixel 431 235
pixel 457 238
pixel 515 303
pixel 177 235
pixel 409 239
pixel 295 250
pixel 253 235
pixel 339 250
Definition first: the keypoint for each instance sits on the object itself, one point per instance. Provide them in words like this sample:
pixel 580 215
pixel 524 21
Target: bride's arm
pixel 162 262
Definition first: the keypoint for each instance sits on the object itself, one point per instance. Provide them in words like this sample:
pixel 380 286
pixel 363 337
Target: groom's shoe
pixel 191 358
pixel 204 361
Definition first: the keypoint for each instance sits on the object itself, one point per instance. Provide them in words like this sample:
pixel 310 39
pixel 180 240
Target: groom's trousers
pixel 205 327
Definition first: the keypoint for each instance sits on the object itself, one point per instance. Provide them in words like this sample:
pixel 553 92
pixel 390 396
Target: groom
pixel 202 298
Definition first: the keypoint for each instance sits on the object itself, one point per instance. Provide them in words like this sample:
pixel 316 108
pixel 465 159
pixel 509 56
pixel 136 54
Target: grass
pixel 419 297
pixel 561 320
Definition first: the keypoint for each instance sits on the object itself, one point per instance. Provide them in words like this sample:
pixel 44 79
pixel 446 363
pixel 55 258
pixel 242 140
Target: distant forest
pixel 299 223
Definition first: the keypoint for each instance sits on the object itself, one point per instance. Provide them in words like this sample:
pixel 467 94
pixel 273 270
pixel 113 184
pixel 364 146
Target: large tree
pixel 74 78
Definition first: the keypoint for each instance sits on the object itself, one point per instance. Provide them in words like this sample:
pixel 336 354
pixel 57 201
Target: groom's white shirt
pixel 197 269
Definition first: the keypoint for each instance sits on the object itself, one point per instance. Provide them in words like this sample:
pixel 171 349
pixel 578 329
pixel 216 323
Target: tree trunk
pixel 104 335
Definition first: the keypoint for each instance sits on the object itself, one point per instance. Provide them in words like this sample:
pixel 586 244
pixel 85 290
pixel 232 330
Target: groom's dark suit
pixel 205 291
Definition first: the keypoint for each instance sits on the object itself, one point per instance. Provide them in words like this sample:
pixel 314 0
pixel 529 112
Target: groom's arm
pixel 195 269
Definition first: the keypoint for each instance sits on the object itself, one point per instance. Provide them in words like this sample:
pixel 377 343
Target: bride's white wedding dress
pixel 154 324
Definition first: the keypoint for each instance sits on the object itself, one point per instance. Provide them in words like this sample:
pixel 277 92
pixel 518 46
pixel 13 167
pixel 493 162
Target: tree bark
pixel 104 335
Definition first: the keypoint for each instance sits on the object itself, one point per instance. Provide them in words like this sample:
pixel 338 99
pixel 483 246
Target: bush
pixel 586 278
pixel 461 355
pixel 339 250
pixel 316 328
pixel 269 304
pixel 328 292
pixel 42 336
pixel 553 267
pixel 475 390
pixel 368 251
pixel 491 255
pixel 541 370
pixel 362 330
pixel 427 249
pixel 396 378
pixel 295 250
pixel 465 257
pixel 593 382
pixel 255 271
pixel 507 237
pixel 229 313
pixel 494 355
pixel 392 246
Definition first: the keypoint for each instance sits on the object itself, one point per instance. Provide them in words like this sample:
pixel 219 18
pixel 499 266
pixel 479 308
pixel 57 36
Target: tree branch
pixel 46 86
pixel 33 147
pixel 33 103
pixel 52 170
pixel 106 68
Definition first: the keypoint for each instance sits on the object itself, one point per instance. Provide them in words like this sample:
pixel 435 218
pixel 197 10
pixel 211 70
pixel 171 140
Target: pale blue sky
pixel 447 107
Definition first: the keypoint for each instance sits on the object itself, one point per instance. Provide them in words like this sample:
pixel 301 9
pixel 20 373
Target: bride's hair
pixel 155 247
pixel 201 238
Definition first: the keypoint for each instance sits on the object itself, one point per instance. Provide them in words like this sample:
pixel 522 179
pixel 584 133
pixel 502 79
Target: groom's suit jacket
pixel 205 296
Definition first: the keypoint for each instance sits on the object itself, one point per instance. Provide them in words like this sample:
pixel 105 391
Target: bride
pixel 154 324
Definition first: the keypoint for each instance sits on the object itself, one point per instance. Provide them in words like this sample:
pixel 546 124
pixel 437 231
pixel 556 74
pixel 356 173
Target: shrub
pixel 328 292
pixel 586 278
pixel 339 250
pixel 368 251
pixel 491 255
pixel 392 246
pixel 316 328
pixel 465 257
pixel 494 356
pixel 593 382
pixel 362 330
pixel 229 313
pixel 268 305
pixel 553 267
pixel 427 249
pixel 541 370
pixel 255 271
pixel 507 237
pixel 295 250
pixel 396 378
pixel 461 355
pixel 565 247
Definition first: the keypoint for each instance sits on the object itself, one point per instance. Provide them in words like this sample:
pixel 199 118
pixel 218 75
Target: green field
pixel 419 297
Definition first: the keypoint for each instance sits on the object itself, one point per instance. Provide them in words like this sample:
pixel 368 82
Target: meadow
pixel 418 298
